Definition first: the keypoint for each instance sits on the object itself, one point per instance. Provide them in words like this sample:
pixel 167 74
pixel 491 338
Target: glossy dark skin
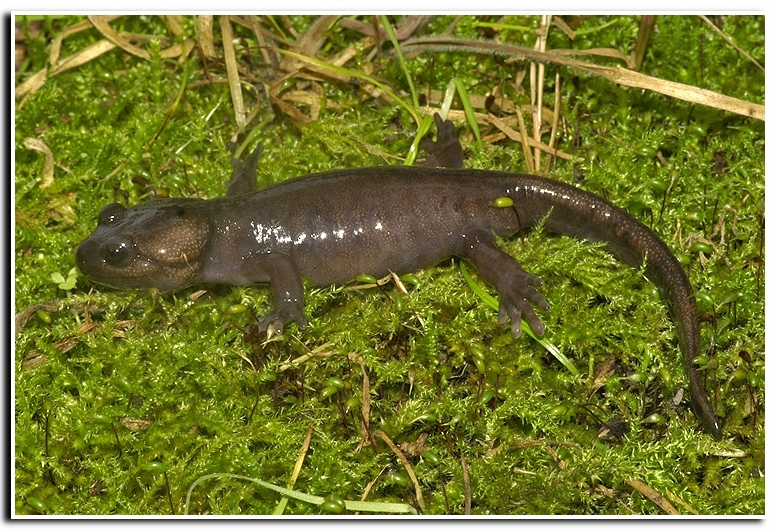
pixel 332 227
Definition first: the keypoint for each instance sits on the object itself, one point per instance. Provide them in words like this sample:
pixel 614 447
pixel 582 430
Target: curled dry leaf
pixel 47 178
pixel 33 359
pixel 27 313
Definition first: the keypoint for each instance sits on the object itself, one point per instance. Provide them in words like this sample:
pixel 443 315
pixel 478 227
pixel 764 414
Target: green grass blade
pixel 449 95
pixel 471 118
pixel 401 60
pixel 414 149
pixel 376 507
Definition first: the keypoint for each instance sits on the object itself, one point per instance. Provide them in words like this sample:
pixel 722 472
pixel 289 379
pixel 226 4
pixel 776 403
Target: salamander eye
pixel 117 252
pixel 111 213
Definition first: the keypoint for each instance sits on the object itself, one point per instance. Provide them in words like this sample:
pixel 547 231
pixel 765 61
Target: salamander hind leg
pixel 516 288
pixel 446 151
pixel 244 178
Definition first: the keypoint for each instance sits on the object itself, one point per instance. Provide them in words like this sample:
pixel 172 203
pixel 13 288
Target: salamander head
pixel 158 244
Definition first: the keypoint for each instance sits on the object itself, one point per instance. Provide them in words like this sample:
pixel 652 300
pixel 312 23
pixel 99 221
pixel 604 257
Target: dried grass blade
pixel 612 53
pixel 290 110
pixel 654 495
pixel 563 26
pixel 505 105
pixel 178 50
pixel 32 85
pixel 534 121
pixel 518 137
pixel 56 45
pixel 232 72
pixel 524 140
pixel 269 56
pixel 101 24
pixel 365 406
pixel 541 45
pixel 681 91
pixel 279 510
pixel 173 22
pixel 310 42
pixel 35 82
pixel 205 31
pixel 643 37
pixel 619 76
pixel 466 485
pixel 554 124
pixel 407 466
pixel 370 485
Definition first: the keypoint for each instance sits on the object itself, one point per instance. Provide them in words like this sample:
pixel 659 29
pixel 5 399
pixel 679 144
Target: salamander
pixel 332 227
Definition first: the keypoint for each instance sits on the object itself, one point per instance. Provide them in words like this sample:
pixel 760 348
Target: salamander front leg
pixel 516 288
pixel 287 290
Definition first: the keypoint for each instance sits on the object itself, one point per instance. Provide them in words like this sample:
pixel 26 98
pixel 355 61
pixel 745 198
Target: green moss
pixel 119 385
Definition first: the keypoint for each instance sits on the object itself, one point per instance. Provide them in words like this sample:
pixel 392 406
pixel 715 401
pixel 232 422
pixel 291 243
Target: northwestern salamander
pixel 333 226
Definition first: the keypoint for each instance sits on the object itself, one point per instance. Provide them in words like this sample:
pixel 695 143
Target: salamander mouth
pixel 88 259
pixel 91 262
